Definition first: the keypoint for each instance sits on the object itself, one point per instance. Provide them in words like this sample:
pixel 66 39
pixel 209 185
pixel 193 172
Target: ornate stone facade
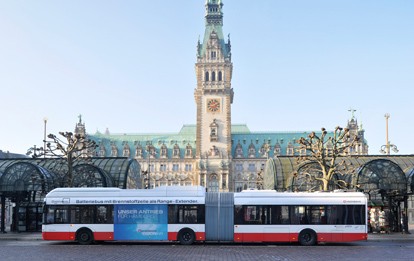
pixel 214 152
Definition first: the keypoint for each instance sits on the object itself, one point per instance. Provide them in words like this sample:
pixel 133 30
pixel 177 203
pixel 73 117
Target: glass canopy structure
pixel 25 181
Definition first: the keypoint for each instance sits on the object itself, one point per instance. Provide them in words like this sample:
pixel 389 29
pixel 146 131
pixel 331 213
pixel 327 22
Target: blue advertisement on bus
pixel 141 222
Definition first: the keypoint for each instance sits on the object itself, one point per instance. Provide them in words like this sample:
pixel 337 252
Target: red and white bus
pixel 189 214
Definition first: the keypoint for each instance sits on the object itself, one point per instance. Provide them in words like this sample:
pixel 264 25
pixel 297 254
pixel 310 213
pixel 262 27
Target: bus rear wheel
pixel 186 236
pixel 84 236
pixel 307 237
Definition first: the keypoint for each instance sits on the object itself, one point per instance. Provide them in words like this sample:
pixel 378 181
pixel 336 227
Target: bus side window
pixel 172 214
pixel 103 215
pixel 49 215
pixel 87 214
pixel 238 215
pixel 62 215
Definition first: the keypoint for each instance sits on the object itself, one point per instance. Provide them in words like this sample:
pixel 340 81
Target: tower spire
pixel 214 24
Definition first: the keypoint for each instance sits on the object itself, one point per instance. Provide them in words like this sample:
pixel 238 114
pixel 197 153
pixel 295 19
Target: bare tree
pixel 71 148
pixel 323 154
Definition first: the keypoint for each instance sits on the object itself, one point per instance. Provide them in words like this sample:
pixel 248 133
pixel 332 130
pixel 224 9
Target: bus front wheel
pixel 186 236
pixel 84 236
pixel 307 237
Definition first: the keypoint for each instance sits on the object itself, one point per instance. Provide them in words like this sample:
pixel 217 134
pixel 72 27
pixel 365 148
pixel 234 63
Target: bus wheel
pixel 307 237
pixel 84 236
pixel 186 236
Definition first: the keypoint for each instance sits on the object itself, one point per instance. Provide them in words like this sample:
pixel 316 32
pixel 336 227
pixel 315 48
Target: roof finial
pixel 80 118
pixel 352 113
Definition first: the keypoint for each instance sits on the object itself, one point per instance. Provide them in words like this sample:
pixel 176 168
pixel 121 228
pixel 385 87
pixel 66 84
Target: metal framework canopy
pixel 380 178
pixel 371 175
pixel 43 175
pixel 26 176
pixel 410 181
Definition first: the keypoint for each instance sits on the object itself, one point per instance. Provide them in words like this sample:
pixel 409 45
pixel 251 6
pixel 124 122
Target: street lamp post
pixel 386 149
pixel 44 136
pixel 149 170
pixel 147 173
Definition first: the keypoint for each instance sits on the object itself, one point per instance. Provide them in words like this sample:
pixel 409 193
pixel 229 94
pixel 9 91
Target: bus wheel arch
pixel 307 237
pixel 186 236
pixel 84 236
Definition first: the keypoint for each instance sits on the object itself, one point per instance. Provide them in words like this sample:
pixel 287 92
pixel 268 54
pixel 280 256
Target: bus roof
pixel 164 191
pixel 317 194
pixel 269 197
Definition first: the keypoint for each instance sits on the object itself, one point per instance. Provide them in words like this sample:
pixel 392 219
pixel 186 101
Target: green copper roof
pixel 239 129
pixel 214 23
pixel 240 135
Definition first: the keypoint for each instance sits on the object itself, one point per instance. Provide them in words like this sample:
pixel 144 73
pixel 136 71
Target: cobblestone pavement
pixel 30 246
pixel 371 236
pixel 42 250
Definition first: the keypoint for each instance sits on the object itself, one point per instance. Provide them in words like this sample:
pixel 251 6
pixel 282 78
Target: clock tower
pixel 214 96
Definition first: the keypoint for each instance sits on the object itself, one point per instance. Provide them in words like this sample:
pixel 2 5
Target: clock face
pixel 213 105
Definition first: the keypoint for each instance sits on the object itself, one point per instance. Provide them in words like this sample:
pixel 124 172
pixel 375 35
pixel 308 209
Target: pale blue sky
pixel 299 65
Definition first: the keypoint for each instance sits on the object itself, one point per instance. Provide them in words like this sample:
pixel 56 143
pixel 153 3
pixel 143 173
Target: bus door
pixel 276 223
pixel 57 223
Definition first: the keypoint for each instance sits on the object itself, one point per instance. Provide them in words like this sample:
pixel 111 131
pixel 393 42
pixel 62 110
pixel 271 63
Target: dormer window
pixel 126 150
pixel 163 151
pixel 188 151
pixel 138 151
pixel 252 150
pixel 114 150
pixel 276 151
pixel 176 151
pixel 102 151
pixel 290 151
pixel 239 151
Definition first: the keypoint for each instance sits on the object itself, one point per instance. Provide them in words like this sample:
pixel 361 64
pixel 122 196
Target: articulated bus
pixel 189 214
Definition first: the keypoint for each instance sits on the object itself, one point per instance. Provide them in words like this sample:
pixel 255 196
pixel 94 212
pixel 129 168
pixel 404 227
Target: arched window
pixel 206 77
pixel 220 76
pixel 213 183
pixel 213 76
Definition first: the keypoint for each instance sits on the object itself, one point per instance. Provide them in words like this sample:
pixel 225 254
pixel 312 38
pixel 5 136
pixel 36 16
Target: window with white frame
pixel 175 167
pixel 188 167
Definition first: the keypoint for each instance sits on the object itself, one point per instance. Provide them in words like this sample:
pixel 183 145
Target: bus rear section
pixel 307 218
pixel 102 214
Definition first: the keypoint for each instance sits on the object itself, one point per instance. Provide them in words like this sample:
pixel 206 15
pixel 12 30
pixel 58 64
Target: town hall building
pixel 213 152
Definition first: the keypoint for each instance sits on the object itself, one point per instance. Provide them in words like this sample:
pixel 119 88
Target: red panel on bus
pixel 349 237
pixel 58 235
pixel 293 237
pixel 324 237
pixel 263 237
pixel 200 236
pixel 103 236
